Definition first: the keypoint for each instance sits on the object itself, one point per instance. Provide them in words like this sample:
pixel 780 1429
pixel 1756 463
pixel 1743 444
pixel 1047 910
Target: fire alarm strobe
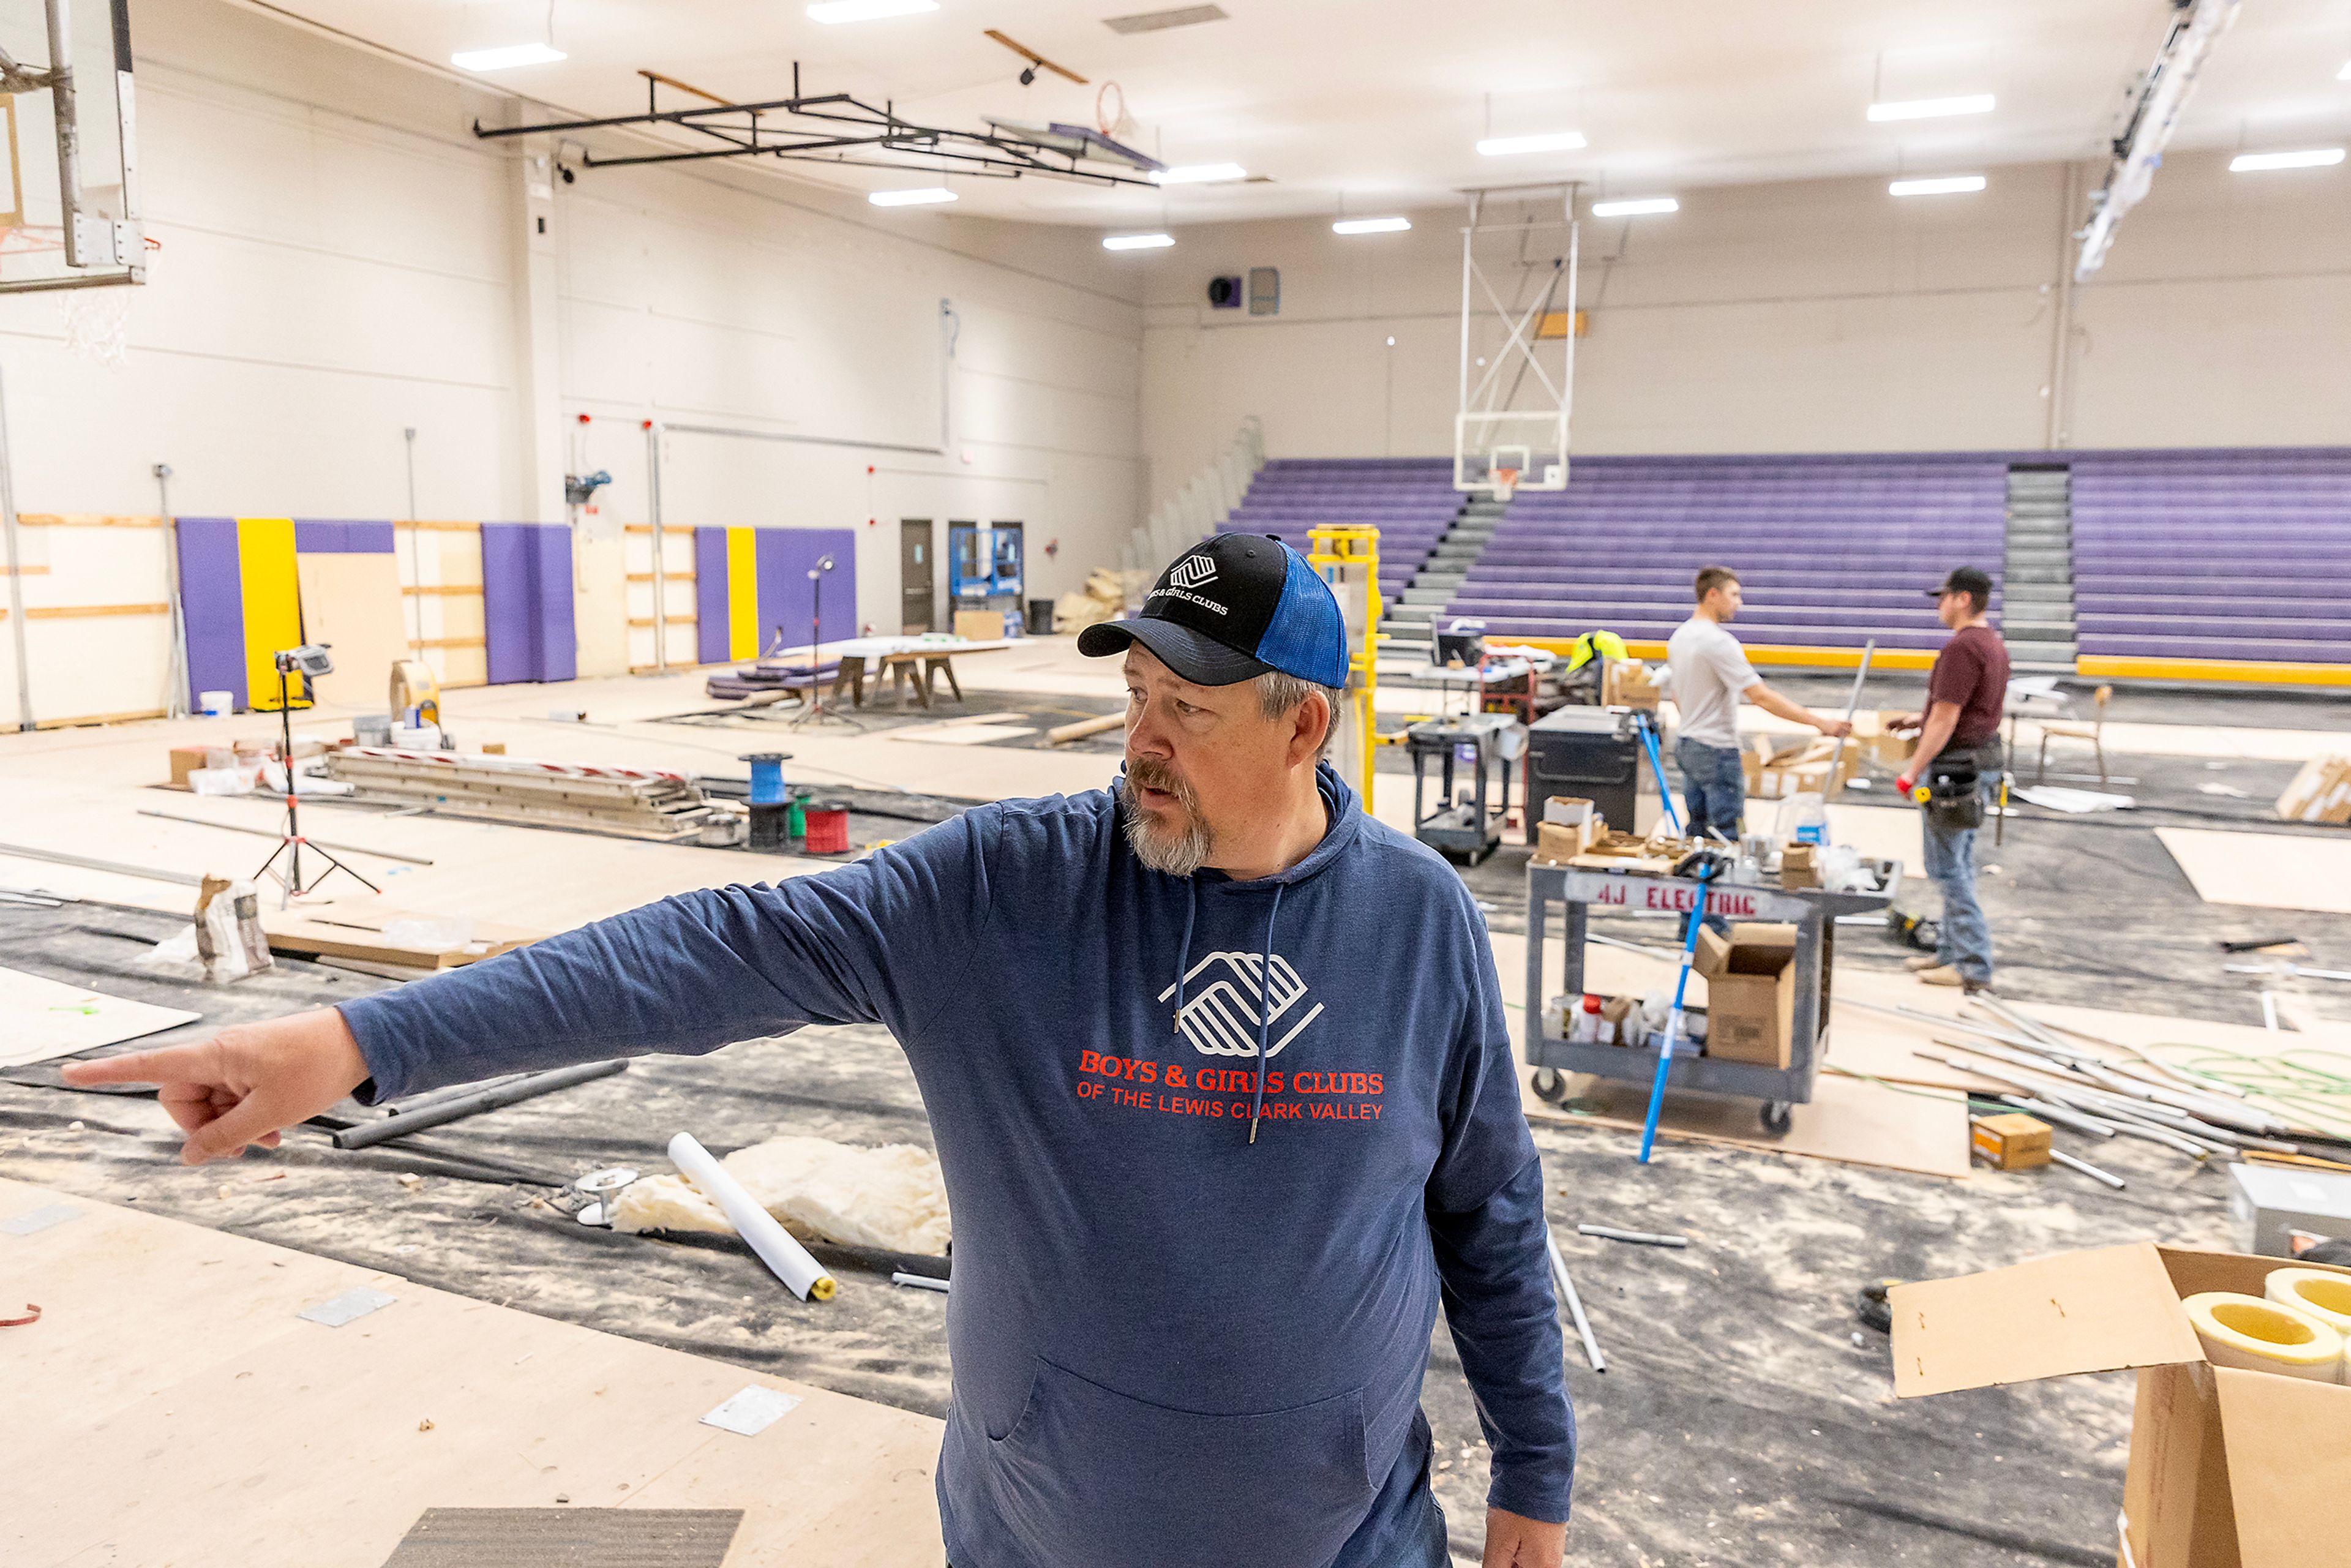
pixel 1225 293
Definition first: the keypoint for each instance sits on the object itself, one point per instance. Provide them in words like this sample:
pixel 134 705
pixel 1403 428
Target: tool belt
pixel 1952 788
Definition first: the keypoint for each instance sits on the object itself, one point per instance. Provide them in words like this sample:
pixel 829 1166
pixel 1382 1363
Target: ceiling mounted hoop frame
pixel 1511 423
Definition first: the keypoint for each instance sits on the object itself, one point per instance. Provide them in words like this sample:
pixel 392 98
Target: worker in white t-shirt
pixel 1711 674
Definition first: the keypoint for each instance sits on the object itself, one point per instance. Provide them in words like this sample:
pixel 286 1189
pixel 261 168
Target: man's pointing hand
pixel 244 1083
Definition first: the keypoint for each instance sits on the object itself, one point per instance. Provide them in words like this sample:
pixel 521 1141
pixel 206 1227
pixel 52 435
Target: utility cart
pixel 1485 746
pixel 1812 910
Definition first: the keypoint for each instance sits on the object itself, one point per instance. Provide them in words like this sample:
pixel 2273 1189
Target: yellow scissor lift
pixel 1348 558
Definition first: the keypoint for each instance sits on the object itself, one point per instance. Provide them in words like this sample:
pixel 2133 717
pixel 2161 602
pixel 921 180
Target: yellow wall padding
pixel 742 593
pixel 273 604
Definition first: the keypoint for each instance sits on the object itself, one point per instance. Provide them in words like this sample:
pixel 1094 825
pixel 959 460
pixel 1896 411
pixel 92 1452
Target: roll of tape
pixel 2319 1293
pixel 2258 1335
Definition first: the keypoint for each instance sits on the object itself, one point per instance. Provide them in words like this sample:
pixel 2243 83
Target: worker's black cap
pixel 1231 609
pixel 1967 580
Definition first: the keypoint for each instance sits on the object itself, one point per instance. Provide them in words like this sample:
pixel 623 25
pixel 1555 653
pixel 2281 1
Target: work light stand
pixel 290 842
pixel 816 711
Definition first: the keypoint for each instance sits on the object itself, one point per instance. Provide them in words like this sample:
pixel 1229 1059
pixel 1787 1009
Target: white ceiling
pixel 1373 105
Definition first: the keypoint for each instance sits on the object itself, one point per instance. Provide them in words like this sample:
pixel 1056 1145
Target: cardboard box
pixel 1750 992
pixel 2226 1466
pixel 1569 809
pixel 2320 792
pixel 981 625
pixel 1630 684
pixel 1777 766
pixel 1558 843
pixel 2012 1141
pixel 187 759
pixel 1800 866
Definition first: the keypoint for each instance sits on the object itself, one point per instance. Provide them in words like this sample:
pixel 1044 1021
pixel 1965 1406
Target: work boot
pixel 1944 974
pixel 1918 961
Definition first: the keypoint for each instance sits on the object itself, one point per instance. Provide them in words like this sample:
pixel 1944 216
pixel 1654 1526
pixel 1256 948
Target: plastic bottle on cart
pixel 1584 1028
pixel 1805 819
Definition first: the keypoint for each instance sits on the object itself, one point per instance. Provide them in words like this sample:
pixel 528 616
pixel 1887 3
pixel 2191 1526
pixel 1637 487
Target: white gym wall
pixel 1818 316
pixel 343 259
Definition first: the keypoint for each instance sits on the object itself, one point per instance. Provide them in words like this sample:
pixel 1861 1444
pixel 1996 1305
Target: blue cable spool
pixel 767 787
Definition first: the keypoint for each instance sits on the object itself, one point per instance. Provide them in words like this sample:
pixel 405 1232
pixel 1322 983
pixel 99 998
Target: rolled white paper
pixel 800 1273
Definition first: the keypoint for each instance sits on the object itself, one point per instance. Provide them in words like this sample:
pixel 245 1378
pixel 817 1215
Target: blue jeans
pixel 1713 786
pixel 1965 942
pixel 1420 1544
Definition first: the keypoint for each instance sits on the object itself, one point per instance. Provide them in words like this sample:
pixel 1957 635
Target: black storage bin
pixel 1587 752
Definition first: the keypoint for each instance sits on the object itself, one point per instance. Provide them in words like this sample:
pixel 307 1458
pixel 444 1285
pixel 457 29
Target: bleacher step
pixel 2037 608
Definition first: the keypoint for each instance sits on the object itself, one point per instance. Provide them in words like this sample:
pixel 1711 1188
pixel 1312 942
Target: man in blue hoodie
pixel 1221 1084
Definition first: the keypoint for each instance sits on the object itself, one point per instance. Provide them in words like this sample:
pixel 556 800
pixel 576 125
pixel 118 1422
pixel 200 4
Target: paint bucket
pixel 216 705
pixel 827 828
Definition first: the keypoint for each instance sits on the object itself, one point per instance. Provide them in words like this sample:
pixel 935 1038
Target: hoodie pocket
pixel 1089 1477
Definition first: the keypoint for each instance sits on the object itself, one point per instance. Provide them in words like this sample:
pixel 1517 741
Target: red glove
pixel 1902 785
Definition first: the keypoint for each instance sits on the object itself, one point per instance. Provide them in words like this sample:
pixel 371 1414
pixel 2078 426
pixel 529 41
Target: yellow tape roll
pixel 2319 1293
pixel 2255 1335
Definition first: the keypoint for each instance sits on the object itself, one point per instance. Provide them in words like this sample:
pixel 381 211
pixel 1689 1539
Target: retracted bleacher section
pixel 1831 551
pixel 1411 500
pixel 2214 565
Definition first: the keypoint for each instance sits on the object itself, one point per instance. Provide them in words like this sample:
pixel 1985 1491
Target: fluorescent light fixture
pixel 1947 185
pixel 922 197
pixel 1200 173
pixel 1137 242
pixel 1370 225
pixel 866 10
pixel 2345 74
pixel 2314 158
pixel 1549 142
pixel 1635 207
pixel 1932 107
pixel 501 59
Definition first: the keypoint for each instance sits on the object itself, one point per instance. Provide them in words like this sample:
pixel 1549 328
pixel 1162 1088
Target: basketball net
pixel 1505 480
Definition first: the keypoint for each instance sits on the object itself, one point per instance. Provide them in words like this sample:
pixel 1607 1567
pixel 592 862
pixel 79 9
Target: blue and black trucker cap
pixel 1230 608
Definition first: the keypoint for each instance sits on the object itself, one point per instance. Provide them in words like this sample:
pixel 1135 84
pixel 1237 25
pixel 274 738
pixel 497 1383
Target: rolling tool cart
pixel 1811 911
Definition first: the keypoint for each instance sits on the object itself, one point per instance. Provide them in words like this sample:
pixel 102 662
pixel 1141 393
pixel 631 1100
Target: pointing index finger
pixel 174 1064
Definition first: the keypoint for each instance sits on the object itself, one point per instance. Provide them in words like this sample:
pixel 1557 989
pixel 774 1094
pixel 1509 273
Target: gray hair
pixel 1279 695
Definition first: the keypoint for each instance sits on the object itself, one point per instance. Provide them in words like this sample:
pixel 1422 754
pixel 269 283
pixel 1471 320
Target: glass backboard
pixel 1510 451
pixel 68 191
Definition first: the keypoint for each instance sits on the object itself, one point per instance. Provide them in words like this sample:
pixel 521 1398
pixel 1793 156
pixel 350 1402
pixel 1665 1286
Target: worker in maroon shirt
pixel 1959 733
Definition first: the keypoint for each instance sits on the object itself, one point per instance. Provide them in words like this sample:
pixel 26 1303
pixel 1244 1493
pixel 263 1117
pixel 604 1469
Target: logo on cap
pixel 1192 571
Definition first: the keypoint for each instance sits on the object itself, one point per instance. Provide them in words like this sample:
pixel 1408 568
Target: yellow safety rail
pixel 1357 547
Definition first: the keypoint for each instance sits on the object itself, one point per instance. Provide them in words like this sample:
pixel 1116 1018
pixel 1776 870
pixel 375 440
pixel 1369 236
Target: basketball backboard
pixel 69 188
pixel 1509 428
pixel 1510 451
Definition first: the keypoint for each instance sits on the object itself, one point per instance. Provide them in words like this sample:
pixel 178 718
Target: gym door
pixel 915 569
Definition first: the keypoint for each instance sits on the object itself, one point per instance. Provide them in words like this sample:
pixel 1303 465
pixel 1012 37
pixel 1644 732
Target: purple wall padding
pixel 315 537
pixel 711 636
pixel 212 597
pixel 775 592
pixel 785 556
pixel 558 642
pixel 526 602
pixel 508 603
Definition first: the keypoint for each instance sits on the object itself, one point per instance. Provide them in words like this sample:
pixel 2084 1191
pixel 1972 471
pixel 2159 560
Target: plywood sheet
pixel 353 603
pixel 170 1373
pixel 2264 871
pixel 41 1018
pixel 1848 1121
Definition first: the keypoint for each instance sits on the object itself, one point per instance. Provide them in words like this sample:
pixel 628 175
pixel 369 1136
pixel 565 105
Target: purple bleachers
pixel 2221 554
pixel 1831 550
pixel 1411 500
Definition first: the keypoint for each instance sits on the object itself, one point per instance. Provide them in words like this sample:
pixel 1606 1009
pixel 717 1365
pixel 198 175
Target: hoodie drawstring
pixel 1264 1009
pixel 1183 954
